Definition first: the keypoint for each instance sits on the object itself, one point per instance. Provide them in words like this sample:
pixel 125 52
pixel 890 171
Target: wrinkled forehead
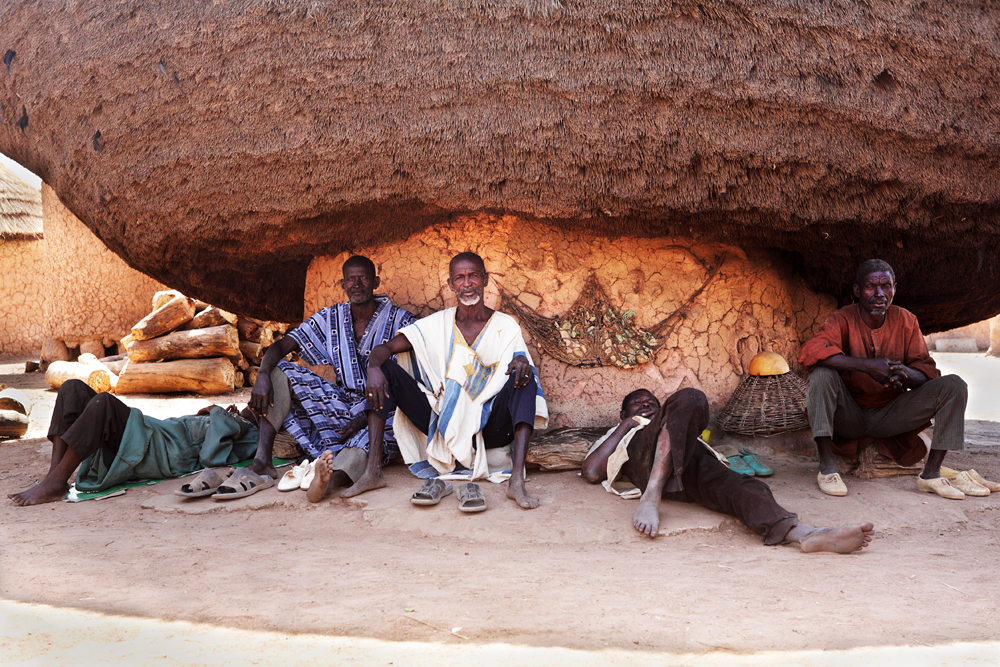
pixel 464 267
pixel 878 278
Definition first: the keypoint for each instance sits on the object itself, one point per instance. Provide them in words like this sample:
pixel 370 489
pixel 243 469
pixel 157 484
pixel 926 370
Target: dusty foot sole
pixel 840 540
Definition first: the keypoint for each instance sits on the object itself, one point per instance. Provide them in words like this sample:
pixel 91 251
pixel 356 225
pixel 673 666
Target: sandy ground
pixel 571 574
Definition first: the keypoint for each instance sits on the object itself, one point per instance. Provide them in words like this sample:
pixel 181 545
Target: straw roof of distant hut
pixel 20 207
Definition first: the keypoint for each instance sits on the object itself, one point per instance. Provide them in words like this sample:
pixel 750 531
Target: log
pixel 164 319
pixel 238 380
pixel 59 372
pixel 221 341
pixel 115 366
pixel 250 375
pixel 204 376
pixel 200 305
pixel 161 298
pixel 210 317
pixel 253 352
pixel 16 400
pixel 239 362
pixel 123 344
pixel 91 360
pixel 31 366
pixel 254 333
pixel 13 424
pixel 562 448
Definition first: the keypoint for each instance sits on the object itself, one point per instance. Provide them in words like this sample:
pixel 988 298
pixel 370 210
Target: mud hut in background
pixel 22 255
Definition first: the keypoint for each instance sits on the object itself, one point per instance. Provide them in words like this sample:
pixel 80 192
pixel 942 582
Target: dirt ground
pixel 569 574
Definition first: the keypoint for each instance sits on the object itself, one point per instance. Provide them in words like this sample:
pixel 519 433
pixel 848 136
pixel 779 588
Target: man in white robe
pixel 467 385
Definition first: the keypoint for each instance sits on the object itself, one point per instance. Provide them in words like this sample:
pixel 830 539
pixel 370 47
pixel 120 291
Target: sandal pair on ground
pixel 470 496
pixel 240 484
pixel 299 477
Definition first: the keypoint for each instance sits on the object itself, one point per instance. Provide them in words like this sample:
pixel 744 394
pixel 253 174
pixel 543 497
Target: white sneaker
pixel 292 479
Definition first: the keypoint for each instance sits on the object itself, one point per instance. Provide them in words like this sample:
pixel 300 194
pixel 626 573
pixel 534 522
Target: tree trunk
pixel 254 333
pixel 563 448
pixel 252 351
pixel 164 319
pixel 164 297
pixel 16 400
pixel 13 424
pixel 210 317
pixel 251 375
pixel 221 341
pixel 60 371
pixel 91 360
pixel 994 337
pixel 204 376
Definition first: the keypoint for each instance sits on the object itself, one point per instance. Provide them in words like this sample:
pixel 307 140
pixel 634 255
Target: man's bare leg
pixel 54 486
pixel 326 478
pixel 827 461
pixel 647 518
pixel 515 485
pixel 58 451
pixel 372 477
pixel 262 463
pixel 840 540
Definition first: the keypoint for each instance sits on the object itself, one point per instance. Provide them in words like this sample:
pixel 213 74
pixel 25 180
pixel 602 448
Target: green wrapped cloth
pixel 159 448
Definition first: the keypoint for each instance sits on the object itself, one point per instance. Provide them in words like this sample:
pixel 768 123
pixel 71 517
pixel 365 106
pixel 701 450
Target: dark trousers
pixel 510 407
pixel 699 477
pixel 88 422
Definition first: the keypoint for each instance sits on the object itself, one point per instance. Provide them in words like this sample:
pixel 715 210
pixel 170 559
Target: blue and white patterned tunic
pixel 322 408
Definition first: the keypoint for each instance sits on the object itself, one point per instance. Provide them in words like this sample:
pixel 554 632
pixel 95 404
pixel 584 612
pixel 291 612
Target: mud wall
pixel 22 314
pixel 90 293
pixel 980 331
pixel 725 305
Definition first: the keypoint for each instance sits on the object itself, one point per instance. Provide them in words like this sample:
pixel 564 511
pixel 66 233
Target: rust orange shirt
pixel 898 339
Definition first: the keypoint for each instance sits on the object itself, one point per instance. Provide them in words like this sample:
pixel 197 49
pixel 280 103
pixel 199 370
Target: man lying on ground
pixel 657 448
pixel 112 443
pixel 872 376
pixel 327 415
pixel 472 388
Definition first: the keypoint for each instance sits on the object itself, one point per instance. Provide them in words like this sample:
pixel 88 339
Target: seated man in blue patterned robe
pixel 324 415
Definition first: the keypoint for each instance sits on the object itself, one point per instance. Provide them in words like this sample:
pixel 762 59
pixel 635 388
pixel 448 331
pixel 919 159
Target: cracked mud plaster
pixel 91 295
pixel 22 265
pixel 755 302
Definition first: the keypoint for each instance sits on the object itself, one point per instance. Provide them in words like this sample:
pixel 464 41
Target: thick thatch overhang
pixel 20 208
pixel 220 146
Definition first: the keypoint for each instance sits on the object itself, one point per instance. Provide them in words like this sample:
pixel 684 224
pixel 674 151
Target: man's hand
pixel 879 370
pixel 376 388
pixel 901 376
pixel 262 395
pixel 521 369
pixel 352 428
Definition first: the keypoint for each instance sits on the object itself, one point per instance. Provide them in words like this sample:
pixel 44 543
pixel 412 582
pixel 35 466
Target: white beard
pixel 469 302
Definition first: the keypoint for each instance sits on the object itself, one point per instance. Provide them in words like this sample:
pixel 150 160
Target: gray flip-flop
pixel 205 484
pixel 241 484
pixel 470 498
pixel 431 492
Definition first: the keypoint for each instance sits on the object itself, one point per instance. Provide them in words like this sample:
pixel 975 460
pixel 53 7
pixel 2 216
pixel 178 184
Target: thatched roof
pixel 20 207
pixel 221 153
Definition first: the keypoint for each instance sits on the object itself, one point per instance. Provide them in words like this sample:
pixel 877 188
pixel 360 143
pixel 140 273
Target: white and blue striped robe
pixel 323 408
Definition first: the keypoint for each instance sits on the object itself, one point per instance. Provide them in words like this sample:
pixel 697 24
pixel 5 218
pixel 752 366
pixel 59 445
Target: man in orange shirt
pixel 872 376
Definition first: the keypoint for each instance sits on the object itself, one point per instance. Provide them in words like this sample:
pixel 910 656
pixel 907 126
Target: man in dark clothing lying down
pixel 666 460
pixel 113 443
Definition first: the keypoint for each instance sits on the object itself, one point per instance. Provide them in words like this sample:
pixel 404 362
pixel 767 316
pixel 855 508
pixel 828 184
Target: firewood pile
pixel 182 345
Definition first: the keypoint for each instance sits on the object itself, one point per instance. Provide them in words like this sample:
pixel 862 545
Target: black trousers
pixel 88 422
pixel 510 407
pixel 699 477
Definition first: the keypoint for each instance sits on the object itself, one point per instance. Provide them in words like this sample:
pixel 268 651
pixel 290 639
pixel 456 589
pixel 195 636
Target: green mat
pixel 75 497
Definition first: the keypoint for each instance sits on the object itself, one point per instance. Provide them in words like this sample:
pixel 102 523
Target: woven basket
pixel 766 405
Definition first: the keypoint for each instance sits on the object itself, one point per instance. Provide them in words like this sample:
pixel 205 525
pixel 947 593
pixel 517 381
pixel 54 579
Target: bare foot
pixel 368 482
pixel 321 480
pixel 647 518
pixel 43 492
pixel 263 468
pixel 840 540
pixel 517 493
